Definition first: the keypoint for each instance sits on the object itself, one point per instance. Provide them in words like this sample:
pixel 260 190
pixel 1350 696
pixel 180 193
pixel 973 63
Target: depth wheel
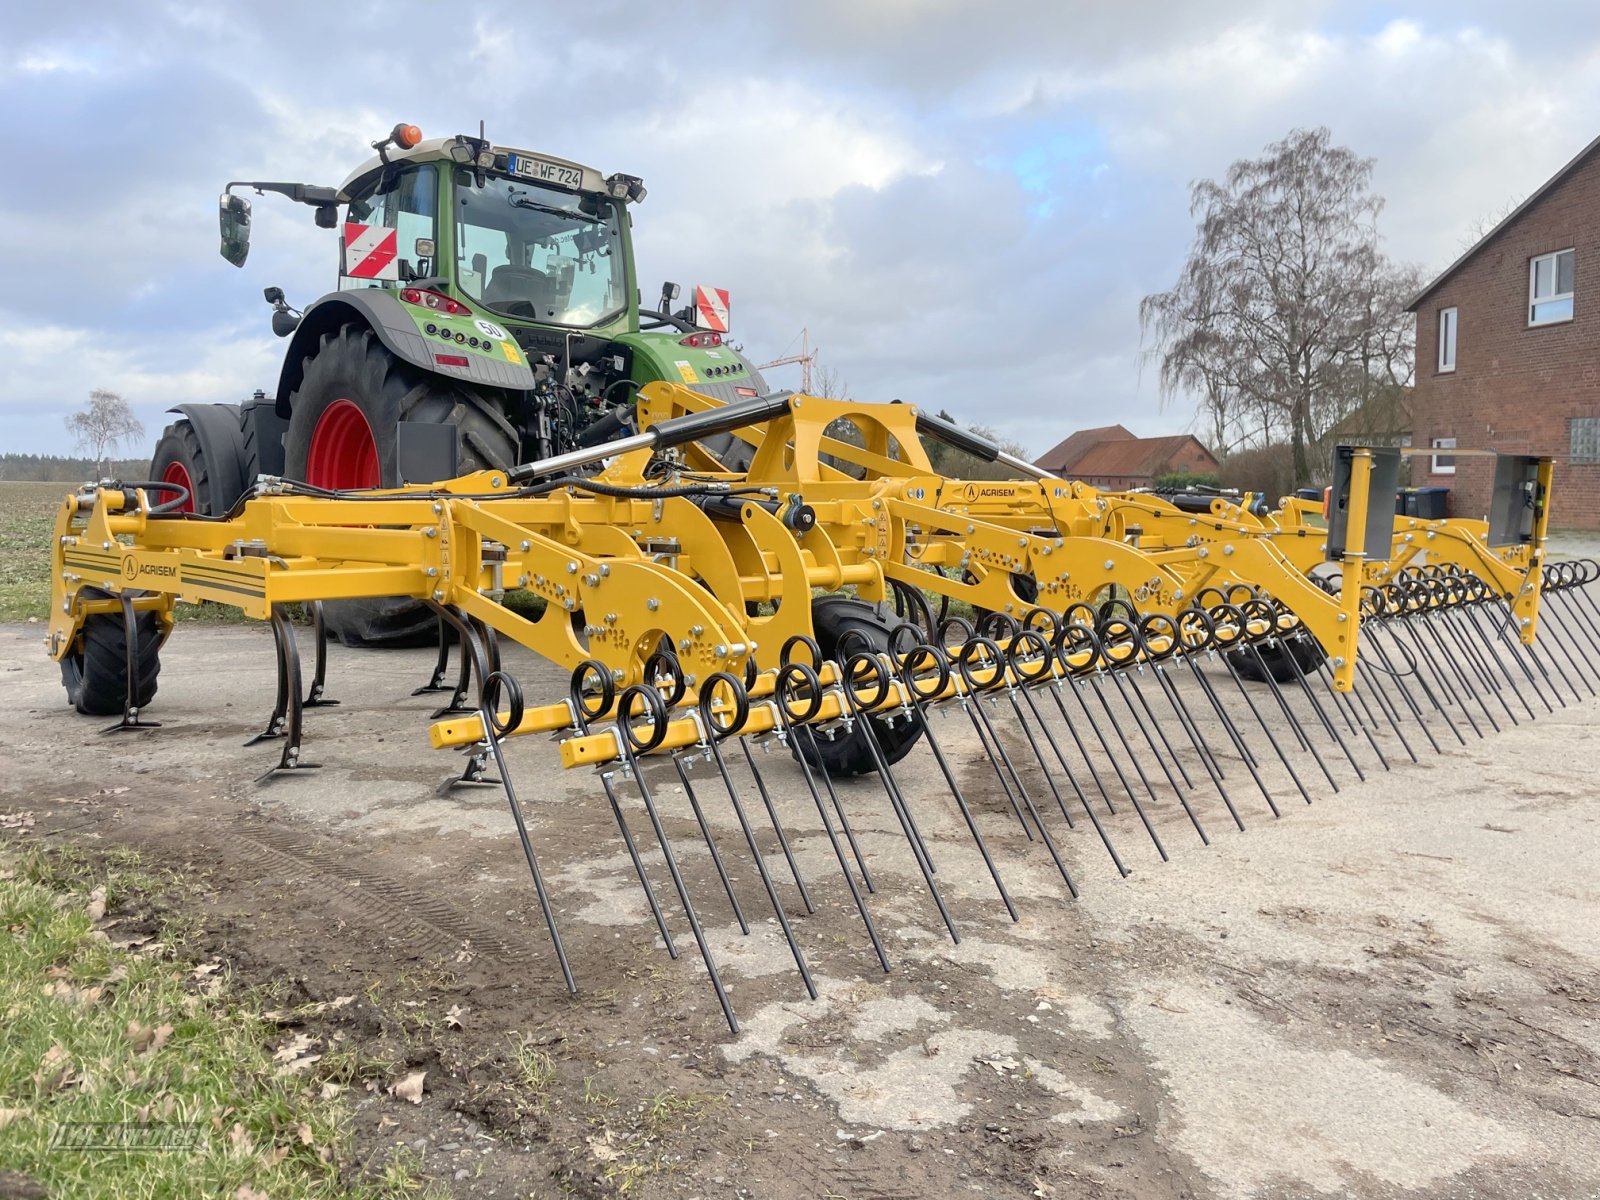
pixel 849 754
pixel 95 672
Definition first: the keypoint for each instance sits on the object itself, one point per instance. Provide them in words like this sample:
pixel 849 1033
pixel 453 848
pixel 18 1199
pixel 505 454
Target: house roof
pixel 1064 453
pixel 1135 457
pixel 1510 219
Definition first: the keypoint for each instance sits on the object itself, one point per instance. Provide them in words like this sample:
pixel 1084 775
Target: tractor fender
pixel 381 311
pixel 216 427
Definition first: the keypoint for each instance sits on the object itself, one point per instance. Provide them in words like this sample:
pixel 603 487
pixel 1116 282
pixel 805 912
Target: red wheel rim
pixel 177 473
pixel 343 452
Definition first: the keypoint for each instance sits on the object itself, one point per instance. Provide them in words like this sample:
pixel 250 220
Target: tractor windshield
pixel 539 253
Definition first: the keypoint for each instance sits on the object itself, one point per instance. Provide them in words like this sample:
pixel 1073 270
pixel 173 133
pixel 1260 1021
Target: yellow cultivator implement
pixel 1112 653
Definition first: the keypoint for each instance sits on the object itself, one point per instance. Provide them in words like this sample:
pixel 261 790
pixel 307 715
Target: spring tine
pixel 1077 690
pixel 1133 683
pixel 1484 631
pixel 1328 724
pixel 1094 686
pixel 996 752
pixel 638 863
pixel 1431 624
pixel 1417 663
pixel 1289 714
pixel 838 808
pixel 1169 688
pixel 1027 695
pixel 777 826
pixel 760 862
pixel 891 787
pixel 681 762
pixel 1360 688
pixel 1576 612
pixel 1439 673
pixel 677 880
pixel 1271 740
pixel 1117 678
pixel 1011 691
pixel 1508 633
pixel 966 812
pixel 974 706
pixel 1190 659
pixel 833 840
pixel 1083 750
pixel 1449 620
pixel 1560 638
pixel 1322 715
pixel 490 684
pixel 1398 678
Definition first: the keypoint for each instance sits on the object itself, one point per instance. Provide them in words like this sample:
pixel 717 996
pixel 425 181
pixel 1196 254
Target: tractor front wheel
pixel 344 432
pixel 180 460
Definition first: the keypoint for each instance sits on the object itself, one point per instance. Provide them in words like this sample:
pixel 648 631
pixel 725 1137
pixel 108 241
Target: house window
pixel 1585 433
pixel 1447 339
pixel 1443 464
pixel 1550 288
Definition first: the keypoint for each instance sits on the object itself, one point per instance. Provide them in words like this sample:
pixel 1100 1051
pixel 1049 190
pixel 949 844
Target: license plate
pixel 545 171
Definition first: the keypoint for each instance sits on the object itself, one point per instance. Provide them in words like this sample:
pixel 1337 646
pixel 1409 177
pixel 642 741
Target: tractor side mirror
pixel 669 293
pixel 233 215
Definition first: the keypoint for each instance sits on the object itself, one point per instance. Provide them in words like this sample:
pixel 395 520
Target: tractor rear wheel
pixel 344 432
pixel 832 619
pixel 96 673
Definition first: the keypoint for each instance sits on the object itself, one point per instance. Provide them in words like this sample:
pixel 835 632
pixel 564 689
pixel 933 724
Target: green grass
pixel 27 513
pixel 112 1042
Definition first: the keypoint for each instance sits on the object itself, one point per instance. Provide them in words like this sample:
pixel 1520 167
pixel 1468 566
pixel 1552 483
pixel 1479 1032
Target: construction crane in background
pixel 805 358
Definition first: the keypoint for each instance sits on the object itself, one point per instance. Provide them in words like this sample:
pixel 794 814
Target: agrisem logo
pixel 130 569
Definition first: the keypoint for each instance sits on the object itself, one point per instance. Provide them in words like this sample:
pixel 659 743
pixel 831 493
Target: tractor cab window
pixel 539 253
pixel 403 201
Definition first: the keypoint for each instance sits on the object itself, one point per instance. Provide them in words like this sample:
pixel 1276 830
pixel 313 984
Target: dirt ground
pixel 1393 991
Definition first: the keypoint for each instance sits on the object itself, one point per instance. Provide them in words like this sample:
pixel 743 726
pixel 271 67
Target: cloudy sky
pixel 963 201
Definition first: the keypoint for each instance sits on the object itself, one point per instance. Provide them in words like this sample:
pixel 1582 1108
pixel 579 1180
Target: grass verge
pixel 126 1070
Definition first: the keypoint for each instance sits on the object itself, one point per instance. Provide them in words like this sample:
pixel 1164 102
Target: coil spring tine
pixel 1474 618
pixel 1083 750
pixel 999 758
pixel 1361 685
pixel 490 684
pixel 891 788
pixel 1155 838
pixel 967 667
pixel 1169 688
pixel 934 655
pixel 777 826
pixel 1417 662
pixel 1271 740
pixel 1133 682
pixel 1440 674
pixel 711 845
pixel 1398 678
pixel 1432 623
pixel 1190 659
pixel 787 728
pixel 1562 643
pixel 1451 620
pixel 1493 632
pixel 1094 820
pixel 838 808
pixel 624 738
pixel 1117 679
pixel 1329 727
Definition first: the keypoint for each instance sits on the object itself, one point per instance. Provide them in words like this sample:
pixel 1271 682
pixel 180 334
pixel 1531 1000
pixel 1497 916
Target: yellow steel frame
pixel 617 574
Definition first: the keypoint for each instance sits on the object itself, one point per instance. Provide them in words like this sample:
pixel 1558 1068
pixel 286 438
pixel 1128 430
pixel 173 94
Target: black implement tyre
pixel 1305 650
pixel 849 754
pixel 95 673
pixel 343 433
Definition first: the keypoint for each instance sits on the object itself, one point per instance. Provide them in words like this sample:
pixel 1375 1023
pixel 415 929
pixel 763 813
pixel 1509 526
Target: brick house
pixel 1508 351
pixel 1110 457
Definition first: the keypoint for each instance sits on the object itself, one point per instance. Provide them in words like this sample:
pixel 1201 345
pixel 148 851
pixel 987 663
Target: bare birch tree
pixel 1287 316
pixel 102 425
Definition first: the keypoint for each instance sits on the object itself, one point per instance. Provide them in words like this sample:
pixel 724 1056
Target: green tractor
pixel 488 313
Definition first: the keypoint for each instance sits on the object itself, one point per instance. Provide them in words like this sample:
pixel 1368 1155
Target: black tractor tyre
pixel 180 446
pixel 95 673
pixel 1304 651
pixel 848 753
pixel 352 364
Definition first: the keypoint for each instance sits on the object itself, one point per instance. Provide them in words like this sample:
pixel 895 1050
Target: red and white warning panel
pixel 371 252
pixel 711 308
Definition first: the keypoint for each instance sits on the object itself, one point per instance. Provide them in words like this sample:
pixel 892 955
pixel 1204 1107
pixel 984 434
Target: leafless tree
pixel 1287 316
pixel 104 423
